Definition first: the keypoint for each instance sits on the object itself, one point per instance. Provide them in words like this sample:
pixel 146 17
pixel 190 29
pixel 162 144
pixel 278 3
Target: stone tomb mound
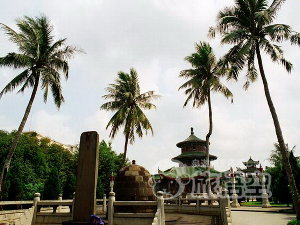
pixel 134 183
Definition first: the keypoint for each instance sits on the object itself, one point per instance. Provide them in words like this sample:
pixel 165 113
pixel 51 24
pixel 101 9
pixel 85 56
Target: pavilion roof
pixel 194 155
pixel 250 161
pixel 188 172
pixel 191 139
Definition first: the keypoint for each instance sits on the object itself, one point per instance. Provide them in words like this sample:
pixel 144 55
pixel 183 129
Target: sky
pixel 154 37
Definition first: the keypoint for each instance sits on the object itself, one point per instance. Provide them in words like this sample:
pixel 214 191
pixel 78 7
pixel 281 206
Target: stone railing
pixel 159 218
pixel 152 215
pixel 38 212
pixel 21 213
pixel 197 204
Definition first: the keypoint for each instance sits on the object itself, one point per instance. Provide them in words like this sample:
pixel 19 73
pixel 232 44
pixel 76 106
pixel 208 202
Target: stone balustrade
pixel 39 212
pixel 147 213
pixel 201 204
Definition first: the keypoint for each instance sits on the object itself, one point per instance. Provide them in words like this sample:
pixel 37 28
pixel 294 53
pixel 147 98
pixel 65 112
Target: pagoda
pixel 251 167
pixel 190 177
pixel 193 152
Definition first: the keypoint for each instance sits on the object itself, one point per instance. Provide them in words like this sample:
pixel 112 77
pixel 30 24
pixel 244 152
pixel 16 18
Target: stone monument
pixel 87 173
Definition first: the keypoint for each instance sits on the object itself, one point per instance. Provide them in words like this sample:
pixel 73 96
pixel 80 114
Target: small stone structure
pixel 133 199
pixel 134 183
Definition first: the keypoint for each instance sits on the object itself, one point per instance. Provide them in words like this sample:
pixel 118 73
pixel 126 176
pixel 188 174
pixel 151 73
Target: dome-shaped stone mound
pixel 132 184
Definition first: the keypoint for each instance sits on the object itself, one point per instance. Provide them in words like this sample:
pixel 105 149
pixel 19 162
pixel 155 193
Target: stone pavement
pixel 260 218
pixel 260 209
pixel 190 219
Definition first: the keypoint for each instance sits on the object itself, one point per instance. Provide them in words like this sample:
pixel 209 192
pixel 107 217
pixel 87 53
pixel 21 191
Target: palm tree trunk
pixel 284 152
pixel 207 143
pixel 125 150
pixel 16 139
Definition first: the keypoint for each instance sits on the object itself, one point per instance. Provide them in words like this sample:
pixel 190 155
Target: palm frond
pixel 15 82
pixel 278 32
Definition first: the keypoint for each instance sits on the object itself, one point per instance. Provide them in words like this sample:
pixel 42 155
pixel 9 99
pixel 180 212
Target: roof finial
pixel 192 131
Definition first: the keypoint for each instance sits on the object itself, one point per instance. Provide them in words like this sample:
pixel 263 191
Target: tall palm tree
pixel 249 26
pixel 203 79
pixel 127 102
pixel 43 61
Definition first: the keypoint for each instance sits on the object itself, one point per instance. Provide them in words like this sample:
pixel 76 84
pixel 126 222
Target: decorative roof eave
pixel 200 176
pixel 188 173
pixel 250 170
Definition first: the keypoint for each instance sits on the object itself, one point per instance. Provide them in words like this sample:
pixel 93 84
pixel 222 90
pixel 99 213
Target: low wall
pixel 17 217
pixel 52 218
pixel 133 218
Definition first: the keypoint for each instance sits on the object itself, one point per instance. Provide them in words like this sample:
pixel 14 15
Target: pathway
pixel 260 218
pixel 189 219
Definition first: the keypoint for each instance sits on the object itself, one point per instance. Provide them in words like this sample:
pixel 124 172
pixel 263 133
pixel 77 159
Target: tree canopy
pixel 42 166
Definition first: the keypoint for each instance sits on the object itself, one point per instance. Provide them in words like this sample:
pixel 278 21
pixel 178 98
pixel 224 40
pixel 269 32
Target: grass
pixel 259 204
pixel 294 222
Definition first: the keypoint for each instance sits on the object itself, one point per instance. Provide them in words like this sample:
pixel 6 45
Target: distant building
pixel 190 176
pixel 71 148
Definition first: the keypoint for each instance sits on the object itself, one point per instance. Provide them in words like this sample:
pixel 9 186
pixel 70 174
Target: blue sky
pixel 152 36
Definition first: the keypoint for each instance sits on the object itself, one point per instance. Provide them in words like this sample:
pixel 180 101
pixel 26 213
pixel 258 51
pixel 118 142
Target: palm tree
pixel 249 26
pixel 127 102
pixel 203 79
pixel 43 61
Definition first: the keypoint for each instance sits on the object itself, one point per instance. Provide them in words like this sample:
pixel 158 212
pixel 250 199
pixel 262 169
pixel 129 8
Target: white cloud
pixel 55 126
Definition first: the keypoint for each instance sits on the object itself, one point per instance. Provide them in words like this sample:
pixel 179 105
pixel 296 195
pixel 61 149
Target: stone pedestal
pixel 265 203
pixel 235 203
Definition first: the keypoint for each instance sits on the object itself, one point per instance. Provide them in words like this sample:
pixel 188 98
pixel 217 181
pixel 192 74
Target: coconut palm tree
pixel 203 79
pixel 42 60
pixel 127 102
pixel 248 25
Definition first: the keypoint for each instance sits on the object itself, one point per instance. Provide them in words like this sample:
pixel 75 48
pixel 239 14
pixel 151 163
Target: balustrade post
pixel 59 206
pixel 111 201
pixel 72 207
pixel 179 203
pixel 198 202
pixel 104 203
pixel 35 207
pixel 160 205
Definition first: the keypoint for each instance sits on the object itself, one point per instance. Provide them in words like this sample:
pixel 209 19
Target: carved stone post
pixel 35 206
pixel 104 203
pixel 59 206
pixel 111 201
pixel 235 203
pixel 160 205
pixel 264 195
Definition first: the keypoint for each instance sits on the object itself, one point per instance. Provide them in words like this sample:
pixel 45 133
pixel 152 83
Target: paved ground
pixel 260 209
pixel 260 218
pixel 189 219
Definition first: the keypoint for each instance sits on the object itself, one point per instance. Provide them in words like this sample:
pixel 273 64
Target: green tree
pixel 43 61
pixel 203 79
pixel 127 102
pixel 249 26
pixel 53 185
pixel 32 163
pixel 109 162
pixel 279 182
